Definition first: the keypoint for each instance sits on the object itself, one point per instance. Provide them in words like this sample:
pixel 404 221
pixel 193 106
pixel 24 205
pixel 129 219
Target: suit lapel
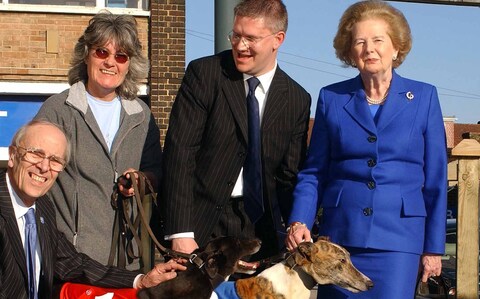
pixel 233 89
pixel 42 232
pixel 276 100
pixel 358 108
pixel 395 104
pixel 6 211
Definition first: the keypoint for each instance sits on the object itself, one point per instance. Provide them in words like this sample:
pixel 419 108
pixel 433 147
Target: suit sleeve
pixel 311 177
pixel 70 265
pixel 435 169
pixel 294 157
pixel 152 151
pixel 183 140
pixel 78 267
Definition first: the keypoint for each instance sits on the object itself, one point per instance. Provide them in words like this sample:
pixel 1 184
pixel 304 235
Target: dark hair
pixel 398 28
pixel 273 12
pixel 121 29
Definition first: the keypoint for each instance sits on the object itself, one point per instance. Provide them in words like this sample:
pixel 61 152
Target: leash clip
pixel 193 258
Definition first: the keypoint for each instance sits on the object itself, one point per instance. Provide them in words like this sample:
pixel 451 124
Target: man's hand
pixel 297 233
pixel 184 245
pixel 432 265
pixel 159 274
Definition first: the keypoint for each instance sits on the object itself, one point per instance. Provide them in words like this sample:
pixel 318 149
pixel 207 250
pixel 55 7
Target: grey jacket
pixel 82 191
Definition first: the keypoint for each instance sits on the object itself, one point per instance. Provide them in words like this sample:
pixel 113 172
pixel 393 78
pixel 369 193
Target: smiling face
pixel 105 74
pixel 372 49
pixel 255 58
pixel 29 180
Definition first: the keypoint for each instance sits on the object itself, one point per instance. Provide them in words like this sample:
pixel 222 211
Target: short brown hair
pixel 398 28
pixel 274 12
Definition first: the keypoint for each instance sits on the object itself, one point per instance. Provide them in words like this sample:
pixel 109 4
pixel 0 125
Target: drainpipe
pixel 223 23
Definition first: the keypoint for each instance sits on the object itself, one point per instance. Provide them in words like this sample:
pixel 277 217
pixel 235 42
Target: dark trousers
pixel 235 222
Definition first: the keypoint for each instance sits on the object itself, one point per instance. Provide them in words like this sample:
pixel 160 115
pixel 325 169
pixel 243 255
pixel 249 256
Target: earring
pixel 394 57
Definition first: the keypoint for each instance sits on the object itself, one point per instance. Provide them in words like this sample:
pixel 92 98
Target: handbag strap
pixel 437 280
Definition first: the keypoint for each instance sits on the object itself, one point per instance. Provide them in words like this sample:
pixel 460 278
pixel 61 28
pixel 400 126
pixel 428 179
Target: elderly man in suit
pixel 234 146
pixel 39 151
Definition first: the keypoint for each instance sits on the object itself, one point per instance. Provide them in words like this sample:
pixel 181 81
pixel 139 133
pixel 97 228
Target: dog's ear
pixel 324 238
pixel 211 266
pixel 305 252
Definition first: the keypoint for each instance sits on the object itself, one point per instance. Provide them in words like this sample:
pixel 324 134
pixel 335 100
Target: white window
pixel 131 4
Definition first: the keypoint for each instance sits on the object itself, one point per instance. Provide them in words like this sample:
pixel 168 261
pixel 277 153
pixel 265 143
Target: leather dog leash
pixel 139 190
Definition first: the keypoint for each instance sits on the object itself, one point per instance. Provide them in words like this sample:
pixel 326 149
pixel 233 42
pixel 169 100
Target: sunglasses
pixel 103 53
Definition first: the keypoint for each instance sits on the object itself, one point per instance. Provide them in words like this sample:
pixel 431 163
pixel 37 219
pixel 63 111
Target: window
pixel 134 4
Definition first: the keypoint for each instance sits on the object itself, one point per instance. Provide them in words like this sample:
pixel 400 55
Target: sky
pixel 445 52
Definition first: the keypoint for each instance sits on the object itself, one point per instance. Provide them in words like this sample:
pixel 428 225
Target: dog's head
pixel 329 263
pixel 208 265
pixel 222 255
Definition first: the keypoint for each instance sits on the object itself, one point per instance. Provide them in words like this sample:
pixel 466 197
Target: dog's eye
pixel 343 261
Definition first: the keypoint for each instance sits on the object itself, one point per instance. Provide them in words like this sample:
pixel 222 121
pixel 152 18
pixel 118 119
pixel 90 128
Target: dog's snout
pixel 369 284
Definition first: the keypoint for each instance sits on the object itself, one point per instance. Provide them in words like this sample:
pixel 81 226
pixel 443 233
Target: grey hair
pixel 105 27
pixel 20 135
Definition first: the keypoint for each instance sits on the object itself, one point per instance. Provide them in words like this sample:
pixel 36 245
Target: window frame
pixel 69 9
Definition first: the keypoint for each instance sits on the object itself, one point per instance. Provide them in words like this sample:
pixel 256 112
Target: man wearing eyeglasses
pixel 32 251
pixel 232 151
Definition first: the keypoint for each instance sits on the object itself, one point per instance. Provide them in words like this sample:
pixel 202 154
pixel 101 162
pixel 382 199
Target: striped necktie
pixel 252 169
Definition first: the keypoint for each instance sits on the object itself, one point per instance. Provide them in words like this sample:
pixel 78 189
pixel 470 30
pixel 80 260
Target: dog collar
pixel 290 261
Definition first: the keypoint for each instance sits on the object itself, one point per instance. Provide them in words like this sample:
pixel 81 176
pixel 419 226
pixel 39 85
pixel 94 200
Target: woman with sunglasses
pixel 112 132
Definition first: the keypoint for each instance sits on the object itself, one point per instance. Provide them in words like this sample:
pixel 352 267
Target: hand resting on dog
pixel 159 274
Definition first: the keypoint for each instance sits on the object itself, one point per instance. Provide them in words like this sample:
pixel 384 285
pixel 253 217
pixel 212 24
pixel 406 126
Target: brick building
pixel 37 38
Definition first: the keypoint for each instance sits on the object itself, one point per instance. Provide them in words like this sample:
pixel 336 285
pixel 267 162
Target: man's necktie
pixel 30 246
pixel 252 169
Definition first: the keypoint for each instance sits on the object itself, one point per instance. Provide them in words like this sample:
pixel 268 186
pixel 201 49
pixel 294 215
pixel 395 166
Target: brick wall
pixel 23 44
pixel 167 57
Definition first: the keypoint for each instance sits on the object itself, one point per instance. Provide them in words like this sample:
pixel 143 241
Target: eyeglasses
pixel 103 53
pixel 248 41
pixel 36 156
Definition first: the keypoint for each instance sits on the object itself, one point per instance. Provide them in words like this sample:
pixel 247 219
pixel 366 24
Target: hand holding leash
pixel 185 245
pixel 124 183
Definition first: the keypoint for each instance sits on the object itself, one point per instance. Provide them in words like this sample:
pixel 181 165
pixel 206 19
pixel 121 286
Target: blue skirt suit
pixel 381 181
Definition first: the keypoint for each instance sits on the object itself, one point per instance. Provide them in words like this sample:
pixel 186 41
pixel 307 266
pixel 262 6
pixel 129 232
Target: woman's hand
pixel 297 233
pixel 432 265
pixel 124 183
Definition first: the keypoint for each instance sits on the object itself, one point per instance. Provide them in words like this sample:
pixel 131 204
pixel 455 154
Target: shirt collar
pixel 265 79
pixel 19 207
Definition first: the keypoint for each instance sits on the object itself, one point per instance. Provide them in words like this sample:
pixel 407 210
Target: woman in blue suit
pixel 377 161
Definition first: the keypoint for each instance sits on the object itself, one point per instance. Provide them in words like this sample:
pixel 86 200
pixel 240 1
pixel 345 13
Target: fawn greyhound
pixel 322 262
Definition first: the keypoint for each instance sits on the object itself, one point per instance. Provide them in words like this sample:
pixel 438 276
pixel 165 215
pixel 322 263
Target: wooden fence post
pixel 468 153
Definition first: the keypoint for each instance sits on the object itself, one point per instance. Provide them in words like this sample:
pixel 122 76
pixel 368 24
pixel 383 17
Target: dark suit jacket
pixel 207 141
pixel 59 259
pixel 382 185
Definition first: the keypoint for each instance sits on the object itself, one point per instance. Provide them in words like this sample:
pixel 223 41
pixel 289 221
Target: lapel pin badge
pixel 42 220
pixel 409 95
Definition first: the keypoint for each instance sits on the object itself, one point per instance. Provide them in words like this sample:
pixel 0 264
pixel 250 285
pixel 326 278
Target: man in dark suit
pixel 207 143
pixel 39 151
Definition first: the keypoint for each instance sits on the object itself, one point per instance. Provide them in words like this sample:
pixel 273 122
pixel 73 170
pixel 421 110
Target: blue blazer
pixel 382 184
